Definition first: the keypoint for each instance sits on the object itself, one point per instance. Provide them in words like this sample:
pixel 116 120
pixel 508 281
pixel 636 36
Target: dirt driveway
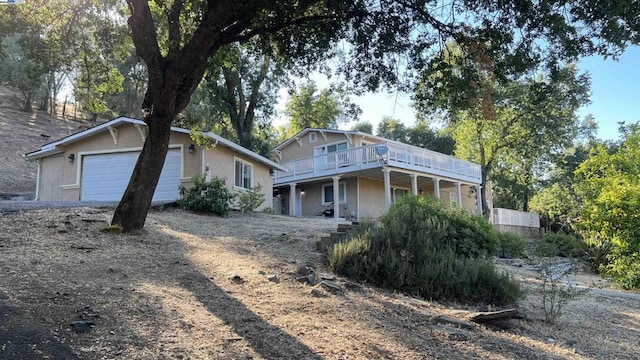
pixel 202 287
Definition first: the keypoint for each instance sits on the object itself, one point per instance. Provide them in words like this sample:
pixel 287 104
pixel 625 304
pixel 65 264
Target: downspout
pixel 37 180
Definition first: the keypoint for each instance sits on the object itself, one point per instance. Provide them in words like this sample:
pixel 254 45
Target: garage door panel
pixel 106 176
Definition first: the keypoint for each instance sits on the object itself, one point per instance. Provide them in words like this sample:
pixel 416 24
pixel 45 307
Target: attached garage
pixel 105 176
pixel 96 164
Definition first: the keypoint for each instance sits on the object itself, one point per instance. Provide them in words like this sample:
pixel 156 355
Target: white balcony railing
pixel 371 156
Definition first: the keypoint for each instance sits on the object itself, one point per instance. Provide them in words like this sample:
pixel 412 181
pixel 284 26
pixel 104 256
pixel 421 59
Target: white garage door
pixel 105 176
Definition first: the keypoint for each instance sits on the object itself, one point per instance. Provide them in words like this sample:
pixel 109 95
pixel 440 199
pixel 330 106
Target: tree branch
pixel 173 20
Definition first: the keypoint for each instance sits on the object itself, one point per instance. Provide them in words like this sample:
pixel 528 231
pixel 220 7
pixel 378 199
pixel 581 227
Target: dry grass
pixel 168 294
pixel 23 132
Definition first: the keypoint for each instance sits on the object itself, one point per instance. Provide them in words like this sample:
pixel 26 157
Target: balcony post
pixel 387 186
pixel 292 199
pixel 459 194
pixel 336 197
pixel 414 184
pixel 436 187
pixel 479 198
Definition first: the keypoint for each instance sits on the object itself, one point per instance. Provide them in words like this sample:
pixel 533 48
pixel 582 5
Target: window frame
pixel 235 174
pixel 325 147
pixel 340 184
pixel 313 137
pixel 405 190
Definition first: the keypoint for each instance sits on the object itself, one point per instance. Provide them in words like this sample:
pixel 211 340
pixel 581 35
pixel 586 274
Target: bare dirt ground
pixel 201 287
pixel 23 132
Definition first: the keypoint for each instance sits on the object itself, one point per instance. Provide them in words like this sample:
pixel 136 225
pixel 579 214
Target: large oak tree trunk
pixel 131 213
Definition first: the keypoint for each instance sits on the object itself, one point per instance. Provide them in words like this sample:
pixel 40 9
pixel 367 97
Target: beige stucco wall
pixel 50 178
pixel 372 198
pixel 128 139
pixel 312 198
pixel 221 163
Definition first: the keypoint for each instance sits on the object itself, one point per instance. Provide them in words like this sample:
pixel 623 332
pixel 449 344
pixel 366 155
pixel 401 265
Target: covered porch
pixel 368 193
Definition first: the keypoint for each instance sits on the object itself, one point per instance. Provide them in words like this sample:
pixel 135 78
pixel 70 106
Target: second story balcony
pixel 389 154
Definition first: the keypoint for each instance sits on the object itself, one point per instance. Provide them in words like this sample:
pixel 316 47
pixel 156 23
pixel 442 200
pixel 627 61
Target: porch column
pixel 387 187
pixel 292 199
pixel 414 184
pixel 459 194
pixel 479 198
pixel 336 197
pixel 436 188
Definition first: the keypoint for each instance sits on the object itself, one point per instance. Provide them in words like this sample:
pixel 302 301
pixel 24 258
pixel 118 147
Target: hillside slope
pixel 23 132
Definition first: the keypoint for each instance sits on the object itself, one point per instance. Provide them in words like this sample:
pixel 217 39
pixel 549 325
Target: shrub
pixel 414 250
pixel 597 254
pixel 206 196
pixel 250 199
pixel 559 244
pixel 555 294
pixel 511 245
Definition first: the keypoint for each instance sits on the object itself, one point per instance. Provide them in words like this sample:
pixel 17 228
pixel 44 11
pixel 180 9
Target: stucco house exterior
pixel 95 164
pixel 370 173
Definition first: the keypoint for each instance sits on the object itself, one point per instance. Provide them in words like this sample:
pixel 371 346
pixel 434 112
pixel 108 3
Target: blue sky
pixel 615 95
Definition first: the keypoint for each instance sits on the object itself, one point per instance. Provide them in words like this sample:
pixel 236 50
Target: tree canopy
pixel 375 42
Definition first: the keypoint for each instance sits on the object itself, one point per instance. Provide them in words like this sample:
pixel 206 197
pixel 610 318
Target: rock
pixel 551 340
pixel 493 315
pixel 454 334
pixel 318 293
pixel 571 343
pixel 327 277
pixel 273 278
pixel 332 286
pixel 237 279
pixel 455 322
pixel 82 326
pixel 311 278
pixel 261 272
pixel 305 270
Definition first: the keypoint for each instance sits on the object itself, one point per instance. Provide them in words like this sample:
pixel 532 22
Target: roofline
pixel 308 129
pixel 50 148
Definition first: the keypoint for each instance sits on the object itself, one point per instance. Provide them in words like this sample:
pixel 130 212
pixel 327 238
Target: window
pixel 336 147
pixel 398 193
pixel 313 137
pixel 327 193
pixel 243 174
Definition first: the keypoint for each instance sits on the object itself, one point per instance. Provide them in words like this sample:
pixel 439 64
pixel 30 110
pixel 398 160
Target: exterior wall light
pixel 192 148
pixel 71 157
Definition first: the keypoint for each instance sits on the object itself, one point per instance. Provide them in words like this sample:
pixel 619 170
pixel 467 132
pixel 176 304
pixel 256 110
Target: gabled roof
pixel 332 131
pixel 54 147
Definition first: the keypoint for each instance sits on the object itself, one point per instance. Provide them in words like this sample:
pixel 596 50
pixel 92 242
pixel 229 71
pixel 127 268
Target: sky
pixel 615 96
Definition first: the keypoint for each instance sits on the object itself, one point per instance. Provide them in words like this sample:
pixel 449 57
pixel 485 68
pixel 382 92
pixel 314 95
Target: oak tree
pixel 382 37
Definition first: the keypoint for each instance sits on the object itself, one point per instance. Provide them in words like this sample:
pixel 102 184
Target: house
pixel 95 164
pixel 369 173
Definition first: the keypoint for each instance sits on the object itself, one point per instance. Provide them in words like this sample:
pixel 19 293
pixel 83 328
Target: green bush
pixel 415 249
pixel 206 196
pixel 250 199
pixel 563 245
pixel 512 245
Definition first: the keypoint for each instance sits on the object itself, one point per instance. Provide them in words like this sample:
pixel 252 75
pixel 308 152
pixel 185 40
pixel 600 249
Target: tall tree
pixel 531 116
pixel 609 186
pixel 363 126
pixel 19 71
pixel 377 31
pixel 423 135
pixel 392 129
pixel 239 90
pixel 313 108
